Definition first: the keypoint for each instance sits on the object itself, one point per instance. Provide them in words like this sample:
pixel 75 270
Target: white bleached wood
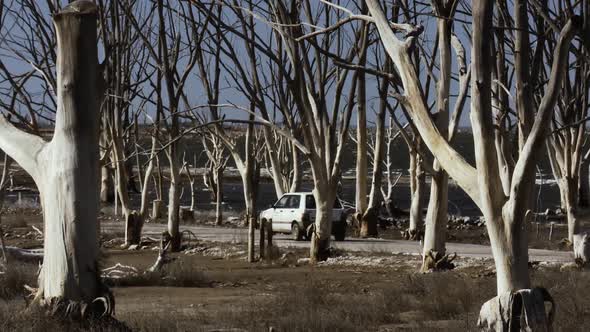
pixel 449 158
pixel 66 170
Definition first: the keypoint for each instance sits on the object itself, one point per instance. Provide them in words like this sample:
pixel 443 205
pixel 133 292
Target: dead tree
pixel 175 28
pixel 217 159
pixel 3 182
pixel 506 215
pixel 124 71
pixel 66 169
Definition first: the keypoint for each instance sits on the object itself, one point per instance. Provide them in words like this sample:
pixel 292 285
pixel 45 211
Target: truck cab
pixel 294 213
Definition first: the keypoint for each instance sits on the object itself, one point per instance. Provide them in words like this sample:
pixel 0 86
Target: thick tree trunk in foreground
pixel 67 170
pixel 70 167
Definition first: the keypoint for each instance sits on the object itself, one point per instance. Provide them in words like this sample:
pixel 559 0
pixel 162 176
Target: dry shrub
pixel 166 321
pixel 14 316
pixel 14 221
pixel 310 306
pixel 175 274
pixel 15 277
pixel 572 297
pixel 446 295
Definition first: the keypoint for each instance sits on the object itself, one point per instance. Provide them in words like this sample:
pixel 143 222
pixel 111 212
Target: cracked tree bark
pixel 66 169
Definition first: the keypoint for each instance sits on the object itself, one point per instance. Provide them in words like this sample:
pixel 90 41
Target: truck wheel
pixel 296 232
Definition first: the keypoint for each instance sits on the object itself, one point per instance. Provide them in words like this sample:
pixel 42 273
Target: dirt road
pixel 239 235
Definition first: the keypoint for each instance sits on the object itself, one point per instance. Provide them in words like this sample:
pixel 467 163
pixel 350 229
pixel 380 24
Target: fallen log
pixel 25 255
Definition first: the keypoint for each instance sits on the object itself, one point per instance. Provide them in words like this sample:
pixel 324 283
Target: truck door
pixel 279 215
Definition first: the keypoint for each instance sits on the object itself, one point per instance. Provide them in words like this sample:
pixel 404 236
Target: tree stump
pixel 262 238
pixel 187 214
pixel 157 209
pixel 134 224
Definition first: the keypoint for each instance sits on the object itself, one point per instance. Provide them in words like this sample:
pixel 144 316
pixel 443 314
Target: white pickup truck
pixel 294 213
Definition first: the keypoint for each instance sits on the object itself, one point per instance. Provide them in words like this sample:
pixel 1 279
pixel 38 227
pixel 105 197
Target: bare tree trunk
pixel 436 217
pixel 174 201
pixel 106 185
pixel 219 197
pixel 69 188
pixel 568 185
pixel 361 133
pixel 250 216
pixel 584 186
pixel 67 169
pixel 370 217
pixel 320 240
pixel 417 190
pixel 297 174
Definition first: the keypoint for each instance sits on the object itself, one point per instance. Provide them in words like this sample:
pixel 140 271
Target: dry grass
pixel 14 316
pixel 14 221
pixel 175 274
pixel 15 277
pixel 321 301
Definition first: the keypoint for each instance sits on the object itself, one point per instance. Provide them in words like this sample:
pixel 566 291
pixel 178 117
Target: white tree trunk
pixel 70 166
pixel 435 229
pixel 569 188
pixel 67 170
pixel 174 201
pixel 250 212
pixel 297 174
pixel 320 241
pixel 219 197
pixel 417 190
pixel 106 185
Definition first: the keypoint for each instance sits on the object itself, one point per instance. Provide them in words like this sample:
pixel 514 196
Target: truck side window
pixel 294 202
pixel 310 202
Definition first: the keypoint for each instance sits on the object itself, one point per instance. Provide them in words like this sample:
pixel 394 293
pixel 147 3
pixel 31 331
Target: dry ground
pixel 212 288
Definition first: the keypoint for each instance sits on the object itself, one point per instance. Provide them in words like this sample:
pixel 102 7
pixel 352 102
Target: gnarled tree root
pixel 436 261
pixel 96 314
pixel 163 259
pixel 412 234
pixel 582 249
pixel 523 310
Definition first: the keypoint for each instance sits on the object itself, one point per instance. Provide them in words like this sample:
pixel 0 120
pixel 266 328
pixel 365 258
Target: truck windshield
pixel 288 202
